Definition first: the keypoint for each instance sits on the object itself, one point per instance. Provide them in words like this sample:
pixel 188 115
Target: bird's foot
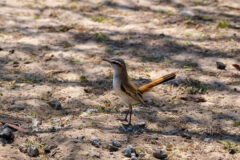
pixel 129 124
pixel 126 126
pixel 123 119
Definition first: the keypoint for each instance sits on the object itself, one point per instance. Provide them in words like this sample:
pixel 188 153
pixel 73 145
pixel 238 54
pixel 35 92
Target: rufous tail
pixel 149 86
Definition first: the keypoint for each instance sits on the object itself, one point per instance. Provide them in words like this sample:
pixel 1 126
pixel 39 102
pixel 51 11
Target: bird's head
pixel 117 64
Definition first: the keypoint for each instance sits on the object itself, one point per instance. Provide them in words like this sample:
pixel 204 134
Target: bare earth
pixel 58 46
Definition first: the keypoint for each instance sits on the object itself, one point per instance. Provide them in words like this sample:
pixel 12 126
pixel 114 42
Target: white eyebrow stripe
pixel 118 62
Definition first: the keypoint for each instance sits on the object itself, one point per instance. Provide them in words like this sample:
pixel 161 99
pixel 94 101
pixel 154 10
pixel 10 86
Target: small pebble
pixel 162 35
pixel 128 151
pixel 11 51
pixel 160 154
pixel 96 155
pixel 148 111
pixel 116 143
pixel 53 129
pixel 207 139
pixel 20 108
pixel 186 135
pixel 133 156
pixel 15 64
pixel 186 13
pixel 35 123
pixel 173 132
pixel 141 124
pixel 32 151
pixel 95 142
pixel 221 65
pixel 112 148
pixel 232 151
pixel 55 104
pixel 141 154
pixel 6 135
pixel 23 148
pixel 155 138
pixel 48 148
pixel 91 110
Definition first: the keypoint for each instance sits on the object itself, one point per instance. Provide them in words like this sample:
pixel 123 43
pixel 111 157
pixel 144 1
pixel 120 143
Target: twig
pixel 16 127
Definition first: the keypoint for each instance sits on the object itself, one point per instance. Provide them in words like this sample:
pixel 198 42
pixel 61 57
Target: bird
pixel 126 89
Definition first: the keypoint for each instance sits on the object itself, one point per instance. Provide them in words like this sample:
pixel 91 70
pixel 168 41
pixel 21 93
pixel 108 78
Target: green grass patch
pixel 222 24
pixel 207 18
pixel 36 17
pixel 66 44
pixel 14 86
pixel 188 34
pixel 188 21
pixel 192 86
pixel 187 43
pixel 109 50
pixel 139 150
pixel 167 63
pixel 101 37
pixel 2 35
pixel 152 59
pixel 227 145
pixel 83 79
pixel 169 13
pixel 101 19
pixel 169 147
pixel 74 6
pixel 31 80
pixel 203 36
pixel 34 143
pixel 236 124
pixel 74 61
pixel 93 123
pixel 102 109
pixel 119 53
pixel 189 65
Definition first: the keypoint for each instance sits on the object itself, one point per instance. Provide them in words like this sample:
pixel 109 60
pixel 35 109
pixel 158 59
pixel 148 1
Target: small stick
pixel 16 127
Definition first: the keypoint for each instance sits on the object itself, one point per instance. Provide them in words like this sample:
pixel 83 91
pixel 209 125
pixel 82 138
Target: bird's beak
pixel 107 60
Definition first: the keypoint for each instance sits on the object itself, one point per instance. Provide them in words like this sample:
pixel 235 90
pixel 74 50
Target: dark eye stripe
pixel 117 63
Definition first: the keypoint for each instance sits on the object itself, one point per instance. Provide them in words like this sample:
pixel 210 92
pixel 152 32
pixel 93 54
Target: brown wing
pixel 131 90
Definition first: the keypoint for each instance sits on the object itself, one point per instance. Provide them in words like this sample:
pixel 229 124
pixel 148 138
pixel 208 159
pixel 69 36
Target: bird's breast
pixel 117 88
pixel 116 85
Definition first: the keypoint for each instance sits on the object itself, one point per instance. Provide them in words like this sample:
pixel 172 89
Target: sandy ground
pixel 58 46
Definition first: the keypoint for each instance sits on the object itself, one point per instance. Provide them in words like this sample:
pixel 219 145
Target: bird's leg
pixel 130 111
pixel 125 119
